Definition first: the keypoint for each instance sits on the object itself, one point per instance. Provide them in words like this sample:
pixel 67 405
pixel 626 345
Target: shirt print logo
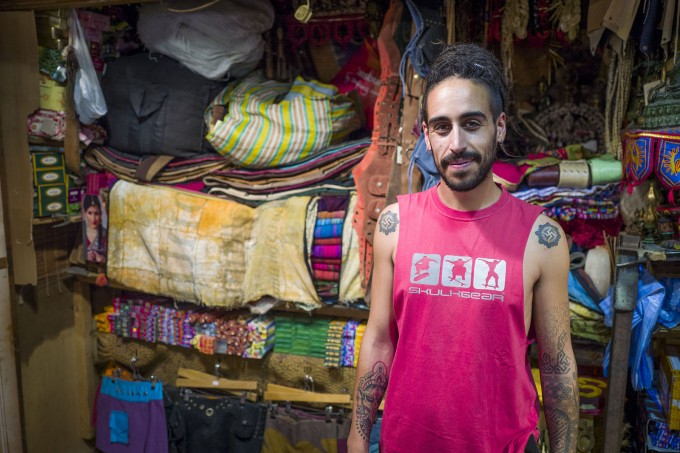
pixel 490 274
pixel 425 268
pixel 458 271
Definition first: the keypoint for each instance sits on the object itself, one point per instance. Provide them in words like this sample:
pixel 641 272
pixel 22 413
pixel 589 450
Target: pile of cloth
pixel 326 253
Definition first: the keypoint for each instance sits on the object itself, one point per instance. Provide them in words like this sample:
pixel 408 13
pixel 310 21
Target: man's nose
pixel 457 139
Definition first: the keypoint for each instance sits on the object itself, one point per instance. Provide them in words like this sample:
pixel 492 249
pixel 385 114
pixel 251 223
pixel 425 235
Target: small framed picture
pixel 94 229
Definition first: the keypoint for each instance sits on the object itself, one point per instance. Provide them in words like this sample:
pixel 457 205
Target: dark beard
pixel 469 182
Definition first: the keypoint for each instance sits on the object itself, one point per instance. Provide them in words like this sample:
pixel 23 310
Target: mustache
pixel 465 155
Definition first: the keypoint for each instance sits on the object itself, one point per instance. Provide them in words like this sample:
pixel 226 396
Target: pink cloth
pixel 460 380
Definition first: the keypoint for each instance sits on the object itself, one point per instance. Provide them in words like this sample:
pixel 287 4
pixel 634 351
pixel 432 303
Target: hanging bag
pixel 87 93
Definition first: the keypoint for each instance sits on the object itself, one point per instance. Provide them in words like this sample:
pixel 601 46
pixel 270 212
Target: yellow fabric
pixel 276 262
pixel 350 278
pixel 179 244
pixel 588 324
pixel 275 442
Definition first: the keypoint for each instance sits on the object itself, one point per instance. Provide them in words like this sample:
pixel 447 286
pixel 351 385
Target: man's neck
pixel 482 196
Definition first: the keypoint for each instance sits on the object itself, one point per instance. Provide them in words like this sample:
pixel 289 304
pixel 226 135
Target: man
pixel 451 353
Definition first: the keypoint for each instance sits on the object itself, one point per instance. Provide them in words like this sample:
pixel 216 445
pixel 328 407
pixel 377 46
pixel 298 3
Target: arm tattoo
pixel 561 411
pixel 560 364
pixel 388 222
pixel 370 391
pixel 548 235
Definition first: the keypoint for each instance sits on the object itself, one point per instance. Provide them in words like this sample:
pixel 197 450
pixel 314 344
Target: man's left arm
pixel 550 317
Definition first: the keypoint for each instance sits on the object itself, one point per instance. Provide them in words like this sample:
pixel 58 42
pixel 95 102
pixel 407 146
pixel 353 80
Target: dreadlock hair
pixel 472 62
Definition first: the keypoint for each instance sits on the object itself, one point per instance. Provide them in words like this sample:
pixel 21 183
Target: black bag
pixel 156 106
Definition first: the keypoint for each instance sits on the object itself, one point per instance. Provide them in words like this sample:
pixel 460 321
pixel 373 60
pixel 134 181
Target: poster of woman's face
pixel 94 229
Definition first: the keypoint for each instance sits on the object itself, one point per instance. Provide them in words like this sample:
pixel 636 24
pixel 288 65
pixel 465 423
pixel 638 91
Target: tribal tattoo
pixel 559 364
pixel 388 222
pixel 561 410
pixel 371 389
pixel 548 235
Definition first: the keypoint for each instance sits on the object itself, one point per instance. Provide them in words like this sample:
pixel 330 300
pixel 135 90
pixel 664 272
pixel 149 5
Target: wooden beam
pixel 11 438
pixel 27 5
pixel 19 97
pixel 85 351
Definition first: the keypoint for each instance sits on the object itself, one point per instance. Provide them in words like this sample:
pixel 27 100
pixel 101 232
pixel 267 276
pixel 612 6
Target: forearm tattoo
pixel 548 235
pixel 388 222
pixel 370 392
pixel 560 396
pixel 559 364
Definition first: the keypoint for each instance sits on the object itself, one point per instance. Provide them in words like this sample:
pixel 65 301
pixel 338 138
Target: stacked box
pixel 51 183
pixel 669 385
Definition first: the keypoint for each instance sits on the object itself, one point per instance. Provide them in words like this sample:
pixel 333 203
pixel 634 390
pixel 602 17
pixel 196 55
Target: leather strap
pixel 150 166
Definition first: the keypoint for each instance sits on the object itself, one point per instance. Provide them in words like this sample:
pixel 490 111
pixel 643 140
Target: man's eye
pixel 471 125
pixel 442 128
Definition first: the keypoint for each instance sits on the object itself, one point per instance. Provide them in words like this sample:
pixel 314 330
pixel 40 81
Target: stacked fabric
pixel 261 336
pixel 325 172
pixel 208 331
pixel 149 321
pixel 349 343
pixel 334 343
pixel 326 254
pixel 301 336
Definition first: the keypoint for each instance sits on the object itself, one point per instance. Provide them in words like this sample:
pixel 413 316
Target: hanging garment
pixel 213 424
pixel 130 417
pixel 303 432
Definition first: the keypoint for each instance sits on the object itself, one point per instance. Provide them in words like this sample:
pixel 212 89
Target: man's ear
pixel 501 126
pixel 426 134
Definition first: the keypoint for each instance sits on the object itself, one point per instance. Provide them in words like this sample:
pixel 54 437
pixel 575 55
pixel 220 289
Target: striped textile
pixel 270 123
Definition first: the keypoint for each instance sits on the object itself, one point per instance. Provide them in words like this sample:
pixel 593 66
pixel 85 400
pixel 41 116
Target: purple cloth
pixel 131 417
pixel 327 251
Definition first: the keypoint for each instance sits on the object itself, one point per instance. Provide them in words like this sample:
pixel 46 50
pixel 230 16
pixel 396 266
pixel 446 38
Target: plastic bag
pixel 87 93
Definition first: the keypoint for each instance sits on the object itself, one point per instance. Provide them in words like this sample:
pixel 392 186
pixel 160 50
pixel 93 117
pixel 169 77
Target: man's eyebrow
pixel 464 116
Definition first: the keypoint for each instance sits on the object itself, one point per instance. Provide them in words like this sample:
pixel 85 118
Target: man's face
pixel 461 132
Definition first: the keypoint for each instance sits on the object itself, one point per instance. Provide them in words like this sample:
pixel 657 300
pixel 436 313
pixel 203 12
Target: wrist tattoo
pixel 388 222
pixel 548 235
pixel 370 391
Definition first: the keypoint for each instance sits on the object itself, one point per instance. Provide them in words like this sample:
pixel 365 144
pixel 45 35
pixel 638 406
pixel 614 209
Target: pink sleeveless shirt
pixel 461 380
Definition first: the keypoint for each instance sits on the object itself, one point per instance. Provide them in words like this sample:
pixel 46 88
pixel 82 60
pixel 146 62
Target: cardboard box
pixel 50 177
pixel 669 385
pixel 43 161
pixel 52 94
pixel 52 199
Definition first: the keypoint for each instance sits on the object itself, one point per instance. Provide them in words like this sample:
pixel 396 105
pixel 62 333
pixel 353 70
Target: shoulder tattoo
pixel 388 222
pixel 548 235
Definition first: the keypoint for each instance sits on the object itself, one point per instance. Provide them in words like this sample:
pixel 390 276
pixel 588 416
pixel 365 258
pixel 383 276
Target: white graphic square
pixel 489 274
pixel 425 269
pixel 457 271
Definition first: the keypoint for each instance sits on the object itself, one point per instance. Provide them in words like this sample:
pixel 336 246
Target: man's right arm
pixel 380 337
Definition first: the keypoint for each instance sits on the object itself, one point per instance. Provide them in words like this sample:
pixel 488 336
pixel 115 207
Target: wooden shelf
pixel 86 276
pixel 63 219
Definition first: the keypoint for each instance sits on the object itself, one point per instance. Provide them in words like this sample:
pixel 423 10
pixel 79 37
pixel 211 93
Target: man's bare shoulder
pixel 388 222
pixel 547 247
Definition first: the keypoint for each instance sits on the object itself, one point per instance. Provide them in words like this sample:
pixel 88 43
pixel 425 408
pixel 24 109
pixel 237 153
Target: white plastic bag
pixel 87 93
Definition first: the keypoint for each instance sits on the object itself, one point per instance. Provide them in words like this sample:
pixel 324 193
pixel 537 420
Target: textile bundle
pixel 206 250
